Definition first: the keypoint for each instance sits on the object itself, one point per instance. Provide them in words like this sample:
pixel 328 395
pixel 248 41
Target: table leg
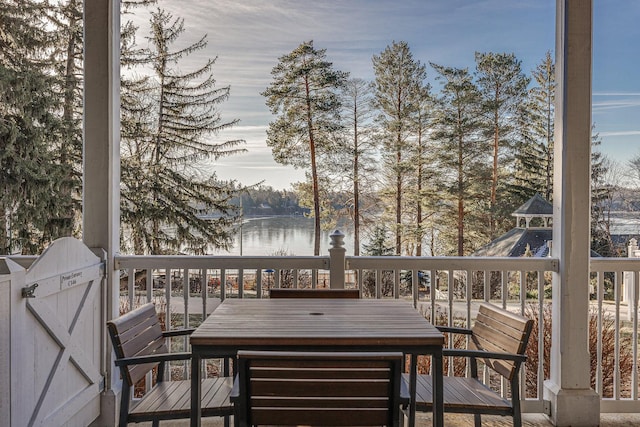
pixel 195 388
pixel 438 390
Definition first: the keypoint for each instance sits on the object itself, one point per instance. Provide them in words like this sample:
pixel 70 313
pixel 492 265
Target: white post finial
pixel 633 247
pixel 337 239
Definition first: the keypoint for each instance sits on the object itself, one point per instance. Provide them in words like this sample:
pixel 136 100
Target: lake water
pixel 292 235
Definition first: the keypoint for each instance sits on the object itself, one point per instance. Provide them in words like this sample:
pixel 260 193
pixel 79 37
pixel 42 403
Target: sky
pixel 248 37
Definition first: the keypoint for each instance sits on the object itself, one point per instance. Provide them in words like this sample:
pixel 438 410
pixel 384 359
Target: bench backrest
pixel 137 333
pixel 500 331
pixel 313 293
pixel 320 389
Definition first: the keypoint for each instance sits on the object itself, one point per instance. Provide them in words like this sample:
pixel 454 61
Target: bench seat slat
pixel 460 395
pixel 306 416
pixel 172 400
pixel 320 402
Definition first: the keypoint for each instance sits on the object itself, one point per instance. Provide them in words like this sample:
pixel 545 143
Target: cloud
pixel 620 133
pixel 616 94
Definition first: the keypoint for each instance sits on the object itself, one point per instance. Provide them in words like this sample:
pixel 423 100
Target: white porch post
pixel 101 187
pixel 572 400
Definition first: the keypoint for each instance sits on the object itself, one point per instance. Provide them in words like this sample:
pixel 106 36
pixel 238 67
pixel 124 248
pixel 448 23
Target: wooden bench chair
pixel 139 345
pixel 499 338
pixel 319 389
pixel 313 293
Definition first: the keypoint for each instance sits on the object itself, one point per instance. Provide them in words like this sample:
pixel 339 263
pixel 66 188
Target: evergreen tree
pixel 424 158
pixel 503 87
pixel 304 96
pixel 168 121
pixel 65 20
pixel 534 154
pixel 359 148
pixel 398 82
pixel 601 191
pixel 29 127
pixel 462 161
pixel 379 244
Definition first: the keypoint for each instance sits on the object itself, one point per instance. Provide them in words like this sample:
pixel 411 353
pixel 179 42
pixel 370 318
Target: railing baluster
pixel 148 280
pixel 396 284
pixel 504 281
pixel 634 304
pixel 600 296
pixel 469 296
pixel 223 284
pixel 541 335
pixel 616 367
pixel 487 285
pixel 523 289
pixel 259 283
pixel 415 286
pixel 433 293
pixel 131 286
pixel 204 291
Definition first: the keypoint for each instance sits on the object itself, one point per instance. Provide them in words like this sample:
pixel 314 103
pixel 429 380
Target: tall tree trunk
pixel 460 199
pixel 549 145
pixel 356 190
pixel 494 177
pixel 66 150
pixel 314 173
pixel 398 199
pixel 5 238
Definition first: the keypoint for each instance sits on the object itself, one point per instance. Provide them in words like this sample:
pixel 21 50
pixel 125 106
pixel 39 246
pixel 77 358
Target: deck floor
pixel 458 420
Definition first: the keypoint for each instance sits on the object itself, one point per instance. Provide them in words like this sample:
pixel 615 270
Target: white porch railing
pixel 446 289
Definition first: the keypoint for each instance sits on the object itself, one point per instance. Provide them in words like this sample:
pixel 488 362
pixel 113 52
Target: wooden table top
pixel 316 322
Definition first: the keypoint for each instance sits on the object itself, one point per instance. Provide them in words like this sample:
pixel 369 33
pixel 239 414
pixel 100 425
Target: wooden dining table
pixel 318 325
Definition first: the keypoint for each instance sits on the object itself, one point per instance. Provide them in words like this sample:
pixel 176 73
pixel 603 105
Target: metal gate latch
pixel 28 291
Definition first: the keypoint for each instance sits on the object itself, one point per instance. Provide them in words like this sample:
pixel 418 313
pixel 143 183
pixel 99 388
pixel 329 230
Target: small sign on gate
pixel 70 279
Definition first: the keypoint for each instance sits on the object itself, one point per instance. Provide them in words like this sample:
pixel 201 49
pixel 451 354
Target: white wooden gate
pixel 56 338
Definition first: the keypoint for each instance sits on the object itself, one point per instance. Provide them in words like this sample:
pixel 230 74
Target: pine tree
pixel 462 161
pixel 503 87
pixel 359 149
pixel 398 80
pixel 534 155
pixel 304 96
pixel 424 158
pixel 167 126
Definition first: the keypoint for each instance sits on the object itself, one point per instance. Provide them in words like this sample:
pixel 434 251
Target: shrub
pixel 608 339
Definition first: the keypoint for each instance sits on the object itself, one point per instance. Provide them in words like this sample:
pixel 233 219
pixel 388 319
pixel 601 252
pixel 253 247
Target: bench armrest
pixel 152 358
pixel 178 332
pixel 484 354
pixel 454 330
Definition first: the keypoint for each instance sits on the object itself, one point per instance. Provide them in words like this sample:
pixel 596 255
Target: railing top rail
pixel 614 264
pixel 224 261
pixel 453 263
